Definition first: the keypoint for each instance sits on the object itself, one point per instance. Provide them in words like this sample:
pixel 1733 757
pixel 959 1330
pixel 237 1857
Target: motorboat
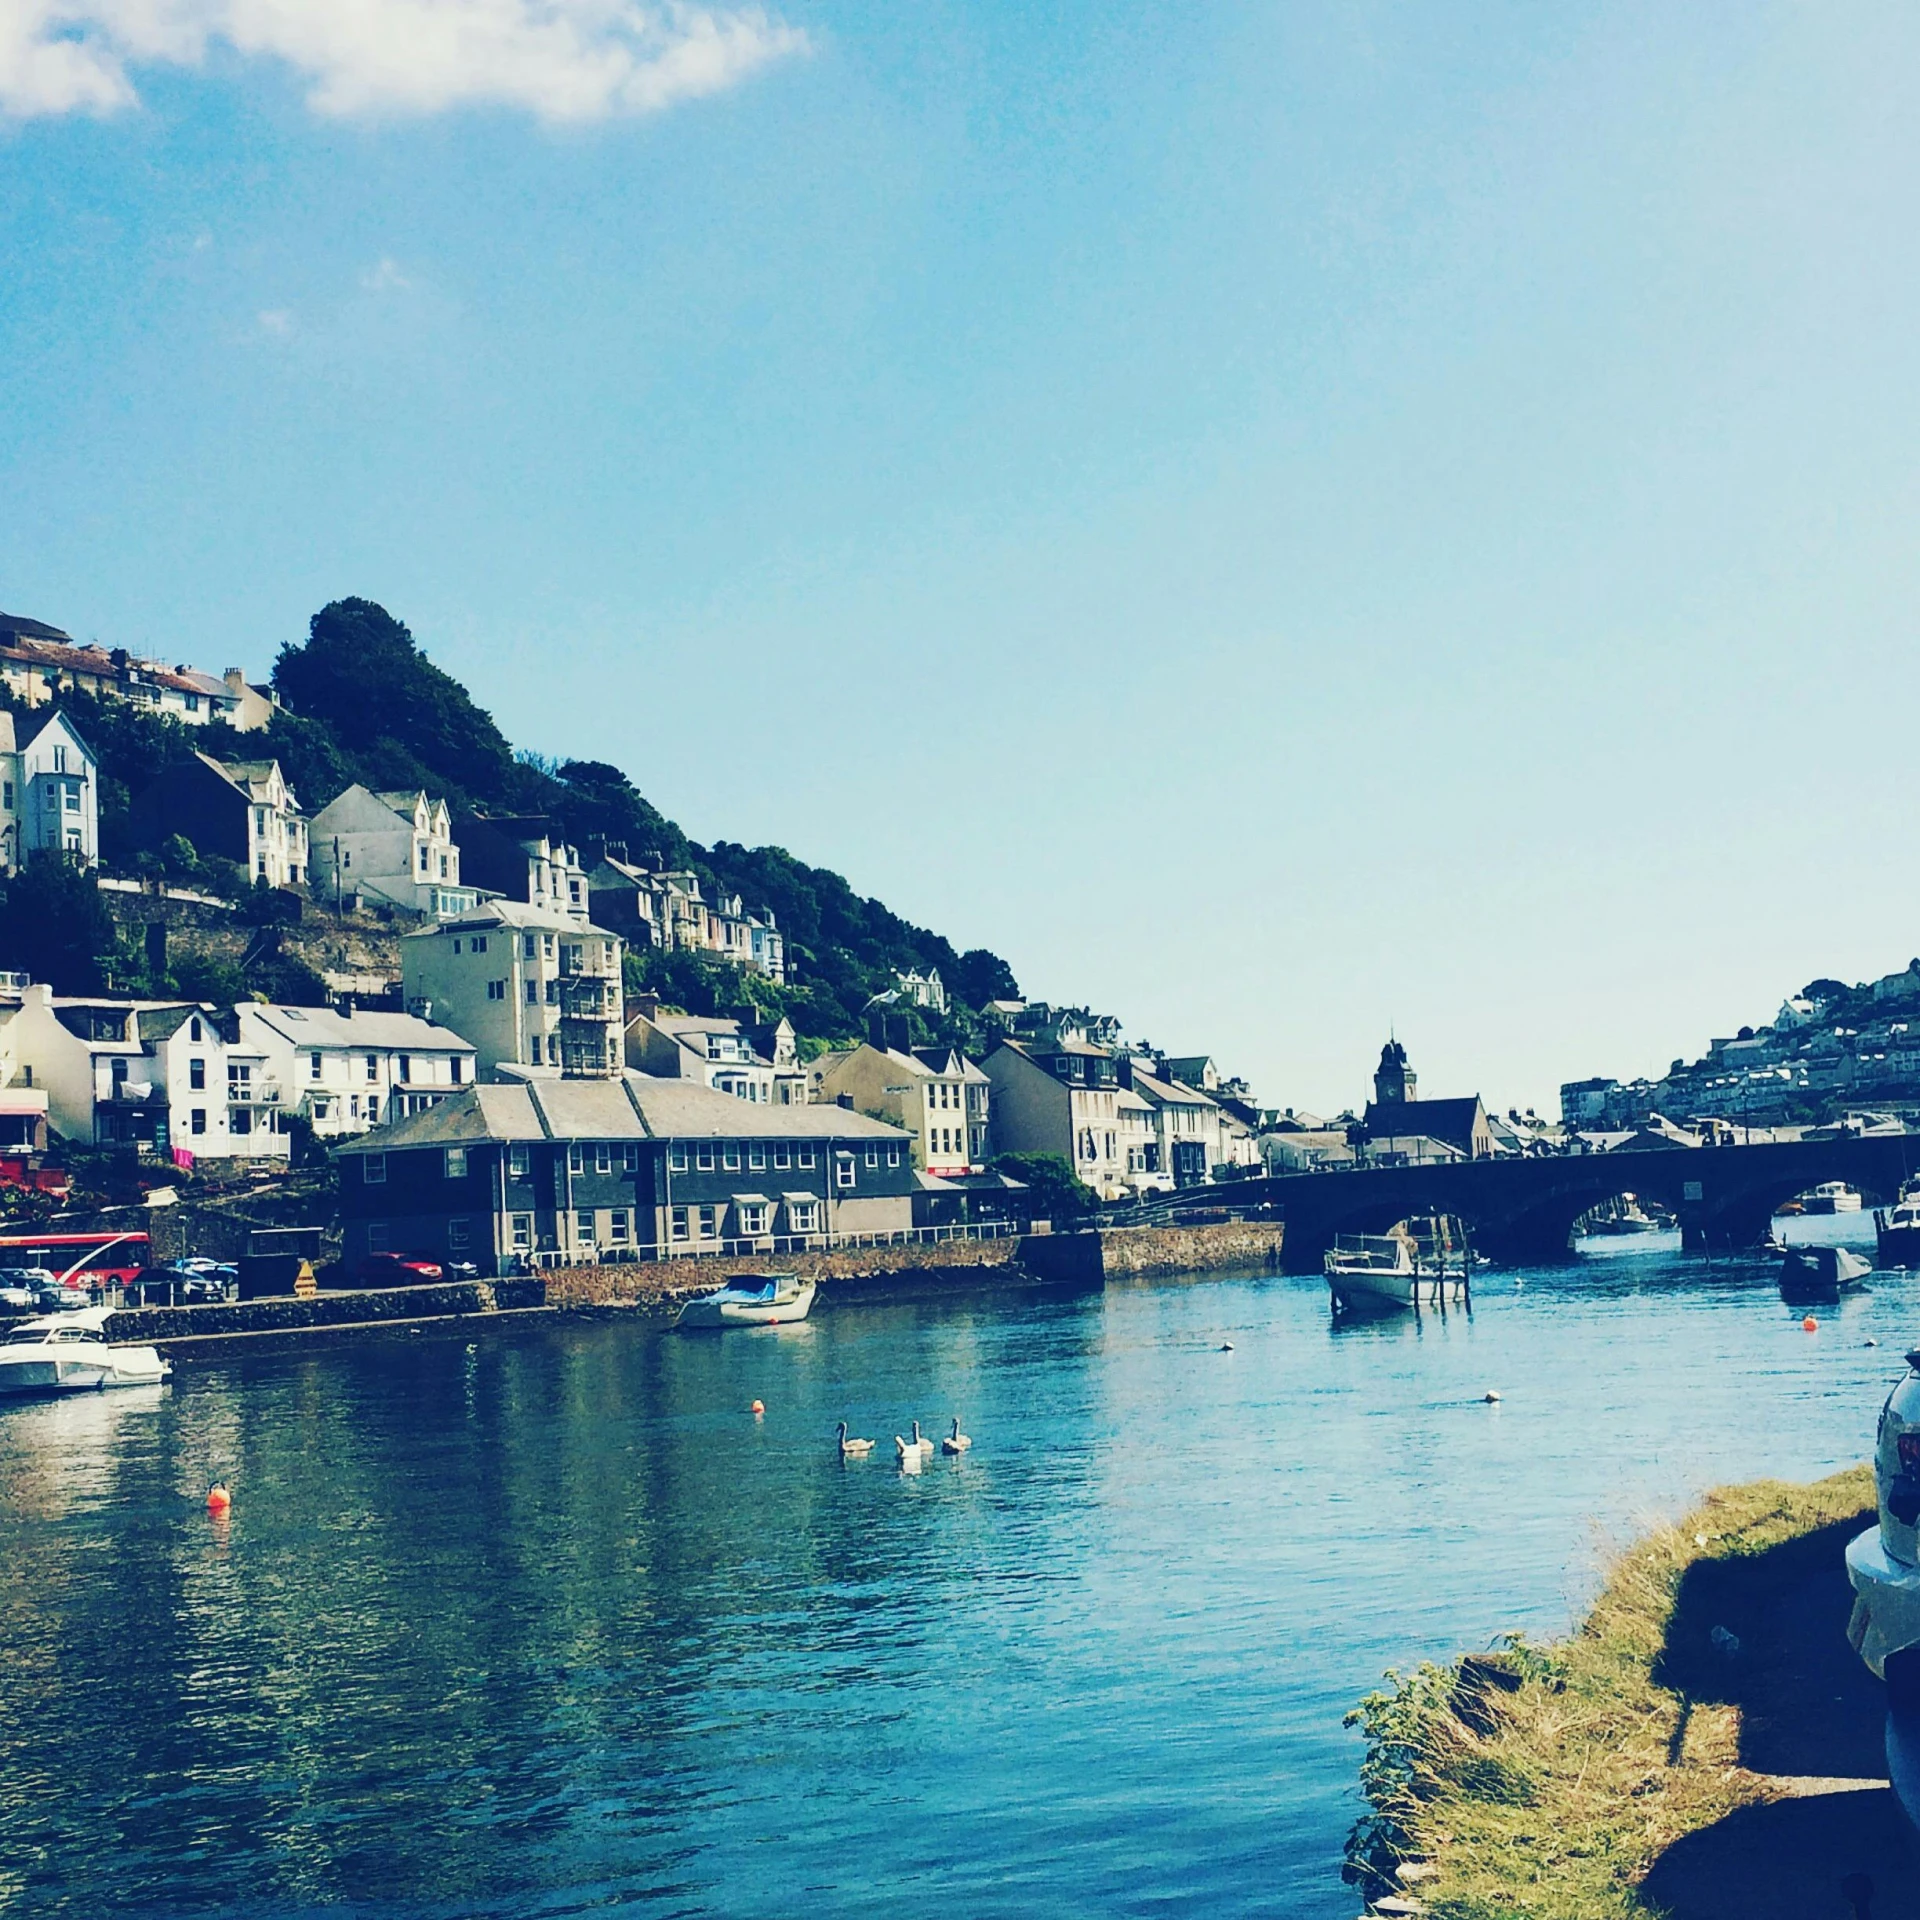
pixel 1898 1227
pixel 1391 1269
pixel 70 1353
pixel 1831 1196
pixel 751 1300
pixel 1824 1273
pixel 1626 1216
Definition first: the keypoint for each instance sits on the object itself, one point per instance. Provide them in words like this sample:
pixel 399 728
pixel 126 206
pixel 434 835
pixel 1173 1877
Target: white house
pixel 394 847
pixel 347 1071
pixel 49 793
pixel 760 1065
pixel 530 987
pixel 162 1076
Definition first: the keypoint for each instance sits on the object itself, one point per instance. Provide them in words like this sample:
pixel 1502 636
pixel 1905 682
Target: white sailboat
pixel 70 1353
pixel 1391 1269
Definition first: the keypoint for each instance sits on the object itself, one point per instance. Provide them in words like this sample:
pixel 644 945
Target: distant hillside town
pixel 1834 1055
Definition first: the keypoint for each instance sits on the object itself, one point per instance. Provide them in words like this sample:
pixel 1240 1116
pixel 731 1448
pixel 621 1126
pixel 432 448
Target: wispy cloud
pixel 277 321
pixel 563 60
pixel 386 277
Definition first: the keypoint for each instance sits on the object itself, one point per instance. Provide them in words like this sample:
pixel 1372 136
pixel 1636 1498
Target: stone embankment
pixel 248 1324
pixel 921 1271
pixel 850 1274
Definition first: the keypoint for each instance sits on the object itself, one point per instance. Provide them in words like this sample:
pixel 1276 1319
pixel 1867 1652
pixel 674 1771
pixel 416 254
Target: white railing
pixel 745 1247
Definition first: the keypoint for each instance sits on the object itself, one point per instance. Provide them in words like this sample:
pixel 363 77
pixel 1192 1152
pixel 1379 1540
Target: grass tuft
pixel 1545 1781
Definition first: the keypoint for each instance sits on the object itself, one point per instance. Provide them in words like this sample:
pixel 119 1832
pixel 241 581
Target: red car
pixel 398 1270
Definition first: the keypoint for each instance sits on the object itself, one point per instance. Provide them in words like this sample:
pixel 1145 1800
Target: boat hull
pixel 33 1375
pixel 1899 1247
pixel 1821 1273
pixel 717 1313
pixel 1396 1289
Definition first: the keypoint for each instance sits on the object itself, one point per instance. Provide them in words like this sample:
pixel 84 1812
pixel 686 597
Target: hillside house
pixel 939 1096
pixel 242 811
pixel 392 847
pixel 49 792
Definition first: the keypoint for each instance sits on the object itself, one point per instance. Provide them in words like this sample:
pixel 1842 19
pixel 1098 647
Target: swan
pixel 908 1456
pixel 853 1449
pixel 925 1445
pixel 956 1441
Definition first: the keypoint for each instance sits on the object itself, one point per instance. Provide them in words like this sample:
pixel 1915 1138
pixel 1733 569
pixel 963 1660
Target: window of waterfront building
pixel 782 1155
pixel 803 1156
pixel 373 1170
pixel 843 1168
pixel 803 1216
pixel 753 1218
pixel 630 1157
pixel 730 1157
pixel 703 1157
pixel 456 1163
pixel 677 1223
pixel 546 941
pixel 576 1157
pixel 479 943
pixel 756 1155
pixel 193 1030
pixel 533 993
pixel 373 1066
pixel 199 1120
pixel 603 1156
pixel 313 1066
pixel 518 1162
pixel 196 1074
pixel 530 948
pixel 873 1156
pixel 376 1236
pixel 583 1225
pixel 496 989
pixel 709 1223
pixel 459 1235
pixel 520 1231
pixel 456 939
pixel 617 1228
pixel 676 1159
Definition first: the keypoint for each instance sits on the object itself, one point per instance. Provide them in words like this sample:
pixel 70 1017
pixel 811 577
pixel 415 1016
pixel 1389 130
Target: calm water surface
pixel 550 1624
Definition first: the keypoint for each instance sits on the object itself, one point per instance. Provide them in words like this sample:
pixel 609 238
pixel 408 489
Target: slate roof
pixel 1448 1120
pixel 325 1027
pixel 634 1107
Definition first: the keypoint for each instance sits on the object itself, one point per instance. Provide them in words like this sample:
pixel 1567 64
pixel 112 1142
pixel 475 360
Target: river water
pixel 550 1623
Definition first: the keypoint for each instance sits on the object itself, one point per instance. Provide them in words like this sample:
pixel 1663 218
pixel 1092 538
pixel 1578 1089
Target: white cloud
pixel 559 59
pixel 277 321
pixel 385 278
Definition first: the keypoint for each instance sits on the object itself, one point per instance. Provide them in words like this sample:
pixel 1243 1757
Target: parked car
pixel 55 1296
pixel 20 1287
pixel 397 1270
pixel 1884 1562
pixel 190 1283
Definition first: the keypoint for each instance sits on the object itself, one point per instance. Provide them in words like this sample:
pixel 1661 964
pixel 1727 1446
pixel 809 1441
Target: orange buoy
pixel 218 1499
pixel 757 1407
pixel 1809 1325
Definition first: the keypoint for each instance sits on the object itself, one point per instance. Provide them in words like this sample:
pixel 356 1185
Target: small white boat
pixel 751 1300
pixel 1898 1228
pixel 70 1353
pixel 1831 1196
pixel 1387 1269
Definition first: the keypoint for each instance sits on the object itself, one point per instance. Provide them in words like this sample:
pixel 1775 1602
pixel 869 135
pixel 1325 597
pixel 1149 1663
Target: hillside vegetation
pixel 363 702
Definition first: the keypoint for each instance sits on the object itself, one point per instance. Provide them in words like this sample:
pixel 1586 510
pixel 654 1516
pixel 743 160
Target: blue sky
pixel 1279 520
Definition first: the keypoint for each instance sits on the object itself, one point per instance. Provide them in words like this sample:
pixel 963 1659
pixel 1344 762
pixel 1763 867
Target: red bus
pixel 90 1259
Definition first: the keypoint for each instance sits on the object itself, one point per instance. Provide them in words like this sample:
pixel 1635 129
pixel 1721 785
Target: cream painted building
pixel 938 1095
pixel 345 1072
pixel 392 847
pixel 1060 1096
pixel 532 989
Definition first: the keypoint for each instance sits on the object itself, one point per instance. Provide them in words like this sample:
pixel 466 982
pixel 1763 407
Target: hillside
pixel 363 702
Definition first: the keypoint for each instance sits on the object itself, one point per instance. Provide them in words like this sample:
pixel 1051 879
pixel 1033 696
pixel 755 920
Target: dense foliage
pixel 363 703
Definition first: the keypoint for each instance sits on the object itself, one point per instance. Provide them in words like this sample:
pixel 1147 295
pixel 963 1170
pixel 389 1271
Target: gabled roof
pixel 16 626
pixel 1170 1093
pixel 491 915
pixel 325 1027
pixel 1449 1120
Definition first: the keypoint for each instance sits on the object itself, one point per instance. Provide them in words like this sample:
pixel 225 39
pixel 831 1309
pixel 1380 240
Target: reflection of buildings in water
pixel 60 1453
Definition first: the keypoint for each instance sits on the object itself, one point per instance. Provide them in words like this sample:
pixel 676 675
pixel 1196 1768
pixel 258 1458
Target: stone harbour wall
pixel 284 1314
pixel 1158 1252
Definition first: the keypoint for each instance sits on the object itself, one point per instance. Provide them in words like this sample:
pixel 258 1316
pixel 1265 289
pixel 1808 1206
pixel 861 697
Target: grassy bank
pixel 1558 1781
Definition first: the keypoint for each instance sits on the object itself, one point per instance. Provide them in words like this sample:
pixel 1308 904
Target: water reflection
pixel 550 1620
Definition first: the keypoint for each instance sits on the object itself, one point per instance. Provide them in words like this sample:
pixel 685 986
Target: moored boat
pixel 751 1300
pixel 1824 1273
pixel 1831 1196
pixel 70 1353
pixel 1372 1270
pixel 1898 1228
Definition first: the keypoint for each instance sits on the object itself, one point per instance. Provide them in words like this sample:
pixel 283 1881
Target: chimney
pixel 877 1030
pixel 899 1032
pixel 236 681
pixel 844 1100
pixel 644 1003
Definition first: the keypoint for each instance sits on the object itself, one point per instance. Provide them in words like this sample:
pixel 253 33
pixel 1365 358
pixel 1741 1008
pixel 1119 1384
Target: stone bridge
pixel 1523 1210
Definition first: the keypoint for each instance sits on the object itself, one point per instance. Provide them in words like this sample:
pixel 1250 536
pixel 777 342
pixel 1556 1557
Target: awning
pixel 23 1100
pixel 751 1200
pixel 799 1199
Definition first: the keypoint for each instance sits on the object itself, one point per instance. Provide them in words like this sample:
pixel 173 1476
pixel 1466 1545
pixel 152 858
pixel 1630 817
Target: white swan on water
pixel 956 1441
pixel 853 1449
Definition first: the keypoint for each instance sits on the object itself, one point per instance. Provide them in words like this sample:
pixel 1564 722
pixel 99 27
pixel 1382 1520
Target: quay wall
pixel 360 1309
pixel 850 1274
pixel 921 1271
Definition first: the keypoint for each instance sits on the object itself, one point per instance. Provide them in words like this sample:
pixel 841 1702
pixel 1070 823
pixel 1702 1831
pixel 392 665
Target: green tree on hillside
pixel 55 926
